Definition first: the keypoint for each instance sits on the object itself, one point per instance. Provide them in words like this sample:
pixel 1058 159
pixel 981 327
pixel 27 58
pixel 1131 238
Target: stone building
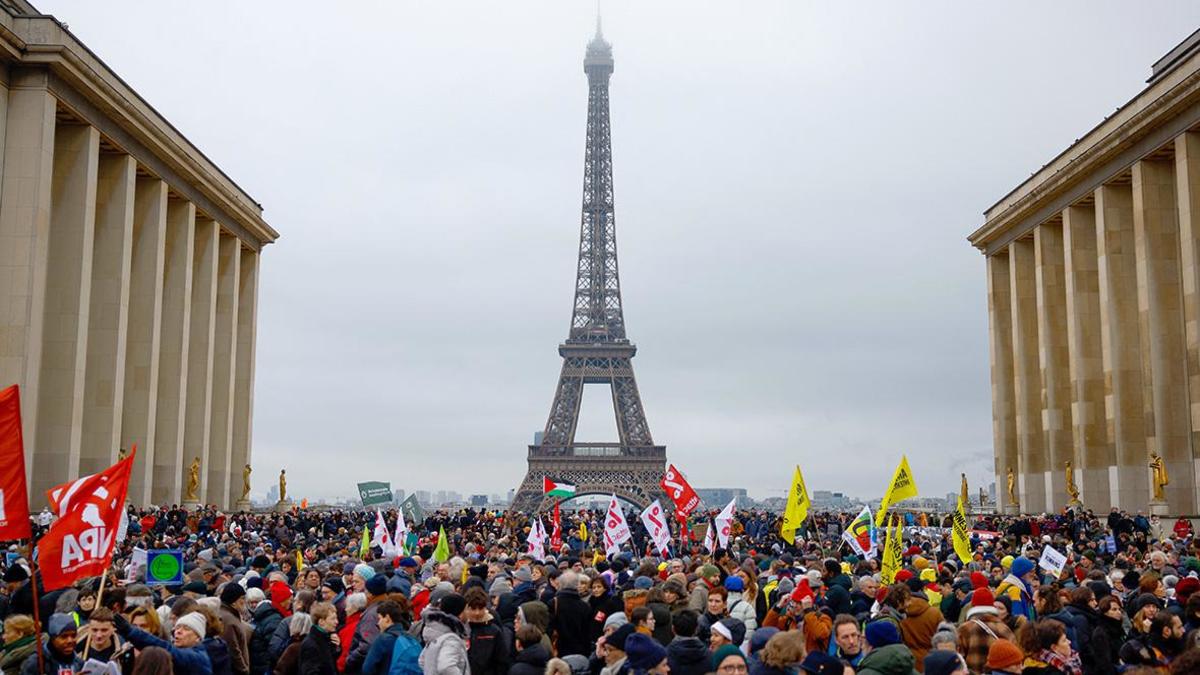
pixel 128 276
pixel 1093 268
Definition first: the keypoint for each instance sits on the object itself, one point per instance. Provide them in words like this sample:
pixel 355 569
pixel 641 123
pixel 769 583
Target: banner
pixel 373 493
pixel 80 543
pixel 164 567
pixel 681 493
pixel 893 548
pixel 556 532
pixel 860 535
pixel 796 511
pixel 710 538
pixel 724 521
pixel 961 534
pixel 441 552
pixel 364 547
pixel 411 508
pixel 1052 561
pixel 902 487
pixel 536 540
pixel 399 538
pixel 137 566
pixel 14 500
pixel 656 525
pixel 381 537
pixel 616 530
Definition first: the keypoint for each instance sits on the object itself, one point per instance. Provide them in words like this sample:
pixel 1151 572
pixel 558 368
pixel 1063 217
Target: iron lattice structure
pixel 597 350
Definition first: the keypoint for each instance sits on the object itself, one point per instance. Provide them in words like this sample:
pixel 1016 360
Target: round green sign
pixel 164 568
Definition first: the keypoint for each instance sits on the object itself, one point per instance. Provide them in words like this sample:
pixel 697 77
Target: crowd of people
pixel 296 594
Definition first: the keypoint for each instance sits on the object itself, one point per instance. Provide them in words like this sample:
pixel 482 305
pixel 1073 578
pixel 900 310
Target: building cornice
pixel 1166 107
pixel 42 42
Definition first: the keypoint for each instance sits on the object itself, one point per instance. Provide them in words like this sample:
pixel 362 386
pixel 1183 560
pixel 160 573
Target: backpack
pixel 405 655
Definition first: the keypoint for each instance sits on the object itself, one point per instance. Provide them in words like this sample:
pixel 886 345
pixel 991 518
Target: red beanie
pixel 802 591
pixel 280 593
pixel 978 580
pixel 1186 587
pixel 903 576
pixel 982 597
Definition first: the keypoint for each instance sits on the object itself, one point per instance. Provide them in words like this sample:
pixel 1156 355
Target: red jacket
pixel 346 635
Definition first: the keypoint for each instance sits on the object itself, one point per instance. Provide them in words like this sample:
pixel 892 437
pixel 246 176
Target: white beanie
pixel 193 620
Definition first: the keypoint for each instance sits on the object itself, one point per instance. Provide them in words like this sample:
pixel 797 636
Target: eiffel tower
pixel 597 350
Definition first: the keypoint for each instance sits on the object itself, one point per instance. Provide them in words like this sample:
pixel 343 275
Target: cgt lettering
pixel 91 543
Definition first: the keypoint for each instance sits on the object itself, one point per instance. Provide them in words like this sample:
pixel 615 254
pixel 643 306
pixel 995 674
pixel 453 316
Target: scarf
pixel 1069 666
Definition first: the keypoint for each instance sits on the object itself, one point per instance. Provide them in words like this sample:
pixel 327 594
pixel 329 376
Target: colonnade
pixel 127 312
pixel 1095 342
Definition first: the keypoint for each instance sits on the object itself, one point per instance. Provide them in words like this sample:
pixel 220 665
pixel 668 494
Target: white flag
pixel 616 530
pixel 710 538
pixel 401 531
pixel 380 537
pixel 537 539
pixel 725 522
pixel 656 525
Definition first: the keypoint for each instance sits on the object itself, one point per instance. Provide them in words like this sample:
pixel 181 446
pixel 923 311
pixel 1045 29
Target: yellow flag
pixel 892 555
pixel 796 510
pixel 442 552
pixel 962 538
pixel 902 487
pixel 583 532
pixel 365 545
pixel 299 561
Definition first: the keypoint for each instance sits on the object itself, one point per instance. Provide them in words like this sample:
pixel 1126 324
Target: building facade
pixel 1093 269
pixel 129 271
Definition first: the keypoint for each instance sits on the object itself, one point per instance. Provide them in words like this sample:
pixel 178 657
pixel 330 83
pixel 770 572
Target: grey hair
pixel 299 624
pixel 355 602
pixel 568 579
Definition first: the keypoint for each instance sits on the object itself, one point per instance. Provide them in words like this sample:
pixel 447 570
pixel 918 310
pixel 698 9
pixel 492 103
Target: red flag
pixel 14 499
pixel 677 488
pixel 80 543
pixel 556 535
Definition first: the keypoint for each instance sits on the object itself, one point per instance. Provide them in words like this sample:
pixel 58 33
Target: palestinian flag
pixel 564 490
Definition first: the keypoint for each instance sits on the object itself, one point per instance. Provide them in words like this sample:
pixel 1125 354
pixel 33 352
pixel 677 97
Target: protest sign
pixel 375 492
pixel 164 567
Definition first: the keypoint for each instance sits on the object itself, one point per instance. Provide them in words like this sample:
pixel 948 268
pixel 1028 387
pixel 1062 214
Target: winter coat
pixel 571 623
pixel 982 627
pixel 488 649
pixel 218 655
pixel 379 656
pixel 889 660
pixel 53 661
pixel 289 661
pixel 1107 638
pixel 364 634
pixel 688 656
pixel 346 636
pixel 1083 621
pixel 445 650
pixel 837 598
pixel 529 661
pixel 266 620
pixel 186 660
pixel 318 656
pixel 602 607
pixel 237 638
pixel 917 628
pixel 15 654
pixel 743 609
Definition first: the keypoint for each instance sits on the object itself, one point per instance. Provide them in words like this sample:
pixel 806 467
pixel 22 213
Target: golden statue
pixel 193 483
pixel 282 485
pixel 965 496
pixel 1012 487
pixel 1159 478
pixel 122 453
pixel 246 483
pixel 1071 489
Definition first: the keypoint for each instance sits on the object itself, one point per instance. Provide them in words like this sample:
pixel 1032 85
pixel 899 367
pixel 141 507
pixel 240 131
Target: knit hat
pixel 1185 588
pixel 194 621
pixel 919 562
pixel 231 593
pixel 617 619
pixel 820 663
pixel 644 652
pixel 979 579
pixel 453 604
pixel 802 591
pixel 982 597
pixel 500 586
pixel 1021 566
pixel 643 583
pixel 725 652
pixel 364 571
pixel 737 629
pixel 406 561
pixel 941 662
pixel 903 576
pixel 1004 654
pixel 722 630
pixel 620 636
pixel 376 584
pixel 734 584
pixel 59 623
pixel 195 587
pixel 928 574
pixel 280 593
pixel 523 574
pixel 882 633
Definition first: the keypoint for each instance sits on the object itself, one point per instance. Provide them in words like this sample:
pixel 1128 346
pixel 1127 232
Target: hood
pixel 916 607
pixel 687 651
pixel 568 592
pixel 534 655
pixel 536 613
pixel 438 623
pixel 889 660
pixel 841 580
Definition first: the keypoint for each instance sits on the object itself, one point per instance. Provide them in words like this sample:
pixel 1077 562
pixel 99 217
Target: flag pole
pixel 87 645
pixel 37 615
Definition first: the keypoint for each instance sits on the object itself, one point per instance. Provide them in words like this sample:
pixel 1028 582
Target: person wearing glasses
pixel 729 660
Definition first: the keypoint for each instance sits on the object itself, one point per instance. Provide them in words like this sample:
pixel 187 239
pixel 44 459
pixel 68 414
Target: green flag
pixel 366 544
pixel 442 552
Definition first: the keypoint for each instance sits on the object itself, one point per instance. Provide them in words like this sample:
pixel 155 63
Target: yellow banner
pixel 892 552
pixel 961 534
pixel 796 511
pixel 902 487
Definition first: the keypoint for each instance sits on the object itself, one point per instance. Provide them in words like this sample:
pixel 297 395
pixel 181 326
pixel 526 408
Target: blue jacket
pixel 379 657
pixel 187 661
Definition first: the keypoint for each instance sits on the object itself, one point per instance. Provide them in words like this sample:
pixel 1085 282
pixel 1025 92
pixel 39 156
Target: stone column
pixel 220 455
pixel 1121 344
pixel 200 351
pixel 1004 426
pixel 1054 362
pixel 243 378
pixel 140 410
pixel 1187 182
pixel 68 297
pixel 1160 309
pixel 24 240
pixel 169 471
pixel 1026 368
pixel 108 313
pixel 1093 452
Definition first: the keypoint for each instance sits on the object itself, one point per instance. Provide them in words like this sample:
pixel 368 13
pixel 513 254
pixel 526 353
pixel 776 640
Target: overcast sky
pixel 794 185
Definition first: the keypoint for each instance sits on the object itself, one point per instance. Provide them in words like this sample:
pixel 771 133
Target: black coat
pixel 266 619
pixel 318 656
pixel 602 608
pixel 688 656
pixel 1084 619
pixel 218 655
pixel 570 621
pixel 489 652
pixel 530 661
